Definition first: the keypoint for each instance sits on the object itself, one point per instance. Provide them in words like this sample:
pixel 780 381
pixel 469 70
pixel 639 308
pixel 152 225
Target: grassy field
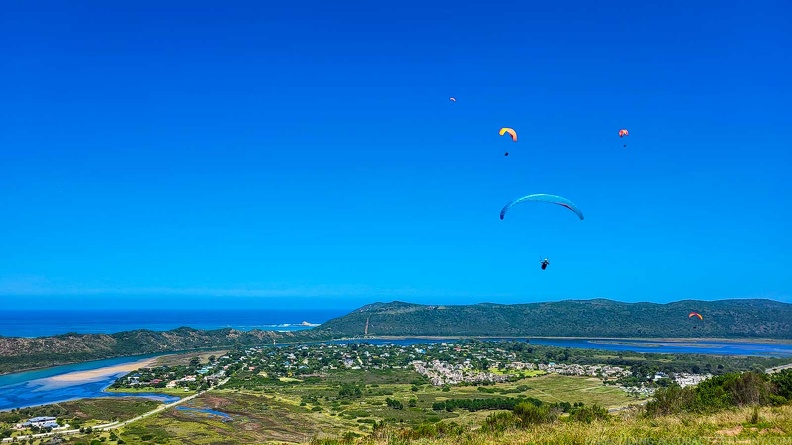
pixel 184 359
pixel 108 409
pixel 298 411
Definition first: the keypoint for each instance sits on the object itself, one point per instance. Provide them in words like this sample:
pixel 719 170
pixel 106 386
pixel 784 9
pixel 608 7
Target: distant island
pixel 598 318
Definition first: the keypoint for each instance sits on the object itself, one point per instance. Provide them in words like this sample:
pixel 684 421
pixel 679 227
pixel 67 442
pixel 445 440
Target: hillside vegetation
pixel 572 318
pixel 26 353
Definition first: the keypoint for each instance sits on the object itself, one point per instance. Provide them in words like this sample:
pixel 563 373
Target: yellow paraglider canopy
pixel 511 132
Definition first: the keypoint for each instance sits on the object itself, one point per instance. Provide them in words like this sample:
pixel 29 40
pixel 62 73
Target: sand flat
pixel 93 374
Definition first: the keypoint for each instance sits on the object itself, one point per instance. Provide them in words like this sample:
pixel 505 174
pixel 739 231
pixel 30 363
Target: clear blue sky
pixel 306 153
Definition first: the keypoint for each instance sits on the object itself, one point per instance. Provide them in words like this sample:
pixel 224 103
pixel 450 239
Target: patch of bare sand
pixel 93 374
pixel 731 431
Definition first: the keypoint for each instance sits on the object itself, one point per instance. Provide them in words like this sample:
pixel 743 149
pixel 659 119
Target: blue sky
pixel 306 153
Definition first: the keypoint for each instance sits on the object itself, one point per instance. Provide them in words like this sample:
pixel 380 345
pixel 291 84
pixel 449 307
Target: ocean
pixel 41 323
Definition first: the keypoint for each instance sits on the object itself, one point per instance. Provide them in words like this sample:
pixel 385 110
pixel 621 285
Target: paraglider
pixel 452 99
pixel 545 262
pixel 511 132
pixel 541 197
pixel 695 314
pixel 622 133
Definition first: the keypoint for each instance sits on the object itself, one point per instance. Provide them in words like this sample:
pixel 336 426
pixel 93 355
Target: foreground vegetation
pixel 772 425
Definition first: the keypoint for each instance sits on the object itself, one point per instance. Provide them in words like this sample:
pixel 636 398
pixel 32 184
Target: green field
pixel 273 410
pixel 184 359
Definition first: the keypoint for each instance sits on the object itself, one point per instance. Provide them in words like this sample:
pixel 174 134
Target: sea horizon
pixel 45 323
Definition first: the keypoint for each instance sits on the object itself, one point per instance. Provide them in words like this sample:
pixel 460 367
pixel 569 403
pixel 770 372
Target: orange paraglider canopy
pixel 511 132
pixel 623 132
pixel 695 314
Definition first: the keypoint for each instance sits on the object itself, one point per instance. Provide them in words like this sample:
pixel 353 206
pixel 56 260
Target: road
pixel 116 424
pixel 778 368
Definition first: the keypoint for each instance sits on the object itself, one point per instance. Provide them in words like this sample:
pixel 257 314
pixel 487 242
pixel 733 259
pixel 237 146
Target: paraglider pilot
pixel 545 262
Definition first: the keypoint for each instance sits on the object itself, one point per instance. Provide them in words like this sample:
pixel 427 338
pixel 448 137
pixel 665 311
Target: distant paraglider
pixel 452 99
pixel 695 314
pixel 511 133
pixel 541 197
pixel 622 133
pixel 545 262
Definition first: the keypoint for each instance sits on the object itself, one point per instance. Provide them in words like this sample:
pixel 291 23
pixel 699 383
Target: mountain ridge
pixel 599 317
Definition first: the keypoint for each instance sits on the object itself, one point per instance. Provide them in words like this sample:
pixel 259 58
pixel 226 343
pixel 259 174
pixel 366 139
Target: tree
pixel 195 362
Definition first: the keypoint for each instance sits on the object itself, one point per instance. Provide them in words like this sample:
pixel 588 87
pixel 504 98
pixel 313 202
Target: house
pixel 41 422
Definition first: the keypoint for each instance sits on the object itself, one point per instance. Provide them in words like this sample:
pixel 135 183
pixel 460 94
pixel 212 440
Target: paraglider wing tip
pixel 577 212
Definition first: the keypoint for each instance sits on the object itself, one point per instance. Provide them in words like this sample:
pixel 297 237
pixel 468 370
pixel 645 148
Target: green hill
pixel 18 354
pixel 571 318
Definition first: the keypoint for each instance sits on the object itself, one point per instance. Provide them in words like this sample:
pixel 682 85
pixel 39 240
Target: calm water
pixel 662 347
pixel 45 323
pixel 209 411
pixel 38 387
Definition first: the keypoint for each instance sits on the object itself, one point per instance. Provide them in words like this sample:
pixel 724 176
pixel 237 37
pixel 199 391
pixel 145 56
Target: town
pixel 468 362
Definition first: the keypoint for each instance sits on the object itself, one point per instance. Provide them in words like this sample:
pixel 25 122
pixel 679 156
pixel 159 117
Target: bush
pixel 670 400
pixel 500 422
pixel 530 414
pixel 783 383
pixel 754 419
pixel 589 414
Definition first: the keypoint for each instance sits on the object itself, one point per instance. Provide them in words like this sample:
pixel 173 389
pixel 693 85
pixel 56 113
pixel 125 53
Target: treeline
pixel 505 403
pixel 483 404
pixel 725 391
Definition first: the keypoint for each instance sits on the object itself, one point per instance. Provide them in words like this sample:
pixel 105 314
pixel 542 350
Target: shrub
pixel 530 414
pixel 589 414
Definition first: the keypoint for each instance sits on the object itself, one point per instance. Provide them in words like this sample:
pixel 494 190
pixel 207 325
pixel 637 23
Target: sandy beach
pixel 83 376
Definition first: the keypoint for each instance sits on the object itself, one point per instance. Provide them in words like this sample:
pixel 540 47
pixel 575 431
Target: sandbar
pixel 93 374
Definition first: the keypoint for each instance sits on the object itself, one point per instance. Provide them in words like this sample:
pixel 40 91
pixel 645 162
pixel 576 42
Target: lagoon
pixel 70 382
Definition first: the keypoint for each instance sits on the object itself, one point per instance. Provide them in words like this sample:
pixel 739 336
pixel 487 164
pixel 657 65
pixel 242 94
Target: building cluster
pixel 441 373
pixel 39 422
pixel 601 371
pixel 191 377
pixel 682 379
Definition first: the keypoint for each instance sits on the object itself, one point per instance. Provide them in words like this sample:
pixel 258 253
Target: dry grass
pixel 727 427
